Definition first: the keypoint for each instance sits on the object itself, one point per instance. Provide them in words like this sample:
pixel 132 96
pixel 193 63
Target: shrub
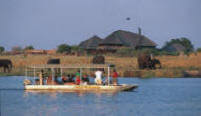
pixel 2 49
pixel 30 47
pixel 198 50
pixel 63 48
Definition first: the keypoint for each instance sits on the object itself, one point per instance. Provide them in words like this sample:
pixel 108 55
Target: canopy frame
pixel 71 66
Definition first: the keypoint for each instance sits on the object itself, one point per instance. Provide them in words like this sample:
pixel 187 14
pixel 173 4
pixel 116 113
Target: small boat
pixel 74 87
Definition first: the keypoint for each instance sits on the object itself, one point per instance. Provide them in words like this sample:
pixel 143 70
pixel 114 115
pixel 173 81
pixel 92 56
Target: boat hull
pixel 122 87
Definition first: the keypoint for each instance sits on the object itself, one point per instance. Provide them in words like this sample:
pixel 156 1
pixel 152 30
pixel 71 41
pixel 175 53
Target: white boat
pixel 74 87
pixel 93 88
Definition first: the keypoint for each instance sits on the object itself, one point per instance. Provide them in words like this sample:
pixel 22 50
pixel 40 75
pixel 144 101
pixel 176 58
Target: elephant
pixel 53 61
pixel 145 61
pixel 6 64
pixel 155 63
pixel 98 60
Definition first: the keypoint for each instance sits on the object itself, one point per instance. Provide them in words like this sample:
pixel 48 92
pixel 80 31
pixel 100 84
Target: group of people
pixel 99 78
pixel 78 79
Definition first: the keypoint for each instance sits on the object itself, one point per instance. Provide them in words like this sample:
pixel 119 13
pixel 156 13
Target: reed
pixel 173 66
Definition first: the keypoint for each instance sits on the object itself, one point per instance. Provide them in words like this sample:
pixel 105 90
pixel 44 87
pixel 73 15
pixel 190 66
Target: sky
pixel 47 23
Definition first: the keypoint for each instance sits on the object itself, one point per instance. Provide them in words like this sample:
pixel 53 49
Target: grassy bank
pixel 173 66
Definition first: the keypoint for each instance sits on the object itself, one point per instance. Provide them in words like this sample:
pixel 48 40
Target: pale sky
pixel 47 23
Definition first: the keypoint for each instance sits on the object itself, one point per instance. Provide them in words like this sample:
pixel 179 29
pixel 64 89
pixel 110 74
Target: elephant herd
pixel 145 61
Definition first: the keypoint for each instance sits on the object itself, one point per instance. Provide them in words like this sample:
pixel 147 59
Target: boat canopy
pixel 71 66
pixel 68 66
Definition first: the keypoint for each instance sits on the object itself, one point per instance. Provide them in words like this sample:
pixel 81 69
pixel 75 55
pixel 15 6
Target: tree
pixel 2 49
pixel 63 48
pixel 199 50
pixel 183 41
pixel 30 47
pixel 187 44
pixel 75 48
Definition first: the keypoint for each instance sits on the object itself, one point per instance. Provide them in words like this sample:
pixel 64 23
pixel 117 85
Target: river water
pixel 154 97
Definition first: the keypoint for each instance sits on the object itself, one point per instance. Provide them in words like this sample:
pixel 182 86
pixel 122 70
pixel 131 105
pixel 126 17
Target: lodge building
pixel 117 40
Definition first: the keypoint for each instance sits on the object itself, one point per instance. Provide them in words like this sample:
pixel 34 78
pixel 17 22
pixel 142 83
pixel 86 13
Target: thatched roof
pixel 175 47
pixel 126 38
pixel 91 43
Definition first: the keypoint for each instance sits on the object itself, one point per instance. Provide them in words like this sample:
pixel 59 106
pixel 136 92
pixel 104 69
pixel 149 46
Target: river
pixel 154 97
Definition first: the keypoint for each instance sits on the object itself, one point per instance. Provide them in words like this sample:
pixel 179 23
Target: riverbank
pixel 172 66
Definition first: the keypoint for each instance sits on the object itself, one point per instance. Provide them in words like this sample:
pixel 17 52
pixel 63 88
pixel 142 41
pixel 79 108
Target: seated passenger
pixel 70 78
pixel 85 79
pixel 56 80
pixel 77 81
pixel 37 82
pixel 49 80
pixel 64 79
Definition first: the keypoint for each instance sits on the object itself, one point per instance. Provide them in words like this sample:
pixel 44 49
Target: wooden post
pixel 34 73
pixel 52 70
pixel 108 78
pixel 61 72
pixel 26 73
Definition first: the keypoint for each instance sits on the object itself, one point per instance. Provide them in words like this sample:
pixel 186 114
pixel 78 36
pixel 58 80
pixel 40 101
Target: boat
pixel 35 69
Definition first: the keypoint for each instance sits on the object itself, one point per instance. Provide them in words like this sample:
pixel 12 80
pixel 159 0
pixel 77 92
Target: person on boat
pixel 77 79
pixel 85 79
pixel 64 79
pixel 114 77
pixel 56 79
pixel 77 73
pixel 71 78
pixel 37 81
pixel 49 80
pixel 41 77
pixel 98 79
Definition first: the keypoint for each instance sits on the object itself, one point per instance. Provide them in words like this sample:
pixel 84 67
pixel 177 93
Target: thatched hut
pixel 91 44
pixel 121 38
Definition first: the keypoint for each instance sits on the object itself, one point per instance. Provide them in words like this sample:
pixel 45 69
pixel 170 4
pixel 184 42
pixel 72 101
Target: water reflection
pixel 54 94
pixel 71 103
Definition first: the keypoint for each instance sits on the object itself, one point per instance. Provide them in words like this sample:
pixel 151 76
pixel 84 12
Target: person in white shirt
pixel 98 79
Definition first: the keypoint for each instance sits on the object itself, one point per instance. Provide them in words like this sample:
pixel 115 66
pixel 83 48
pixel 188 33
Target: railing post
pixel 34 73
pixel 108 78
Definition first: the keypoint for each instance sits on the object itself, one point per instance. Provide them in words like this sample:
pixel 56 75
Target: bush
pixel 29 47
pixel 185 42
pixel 2 49
pixel 63 48
pixel 133 52
pixel 199 50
